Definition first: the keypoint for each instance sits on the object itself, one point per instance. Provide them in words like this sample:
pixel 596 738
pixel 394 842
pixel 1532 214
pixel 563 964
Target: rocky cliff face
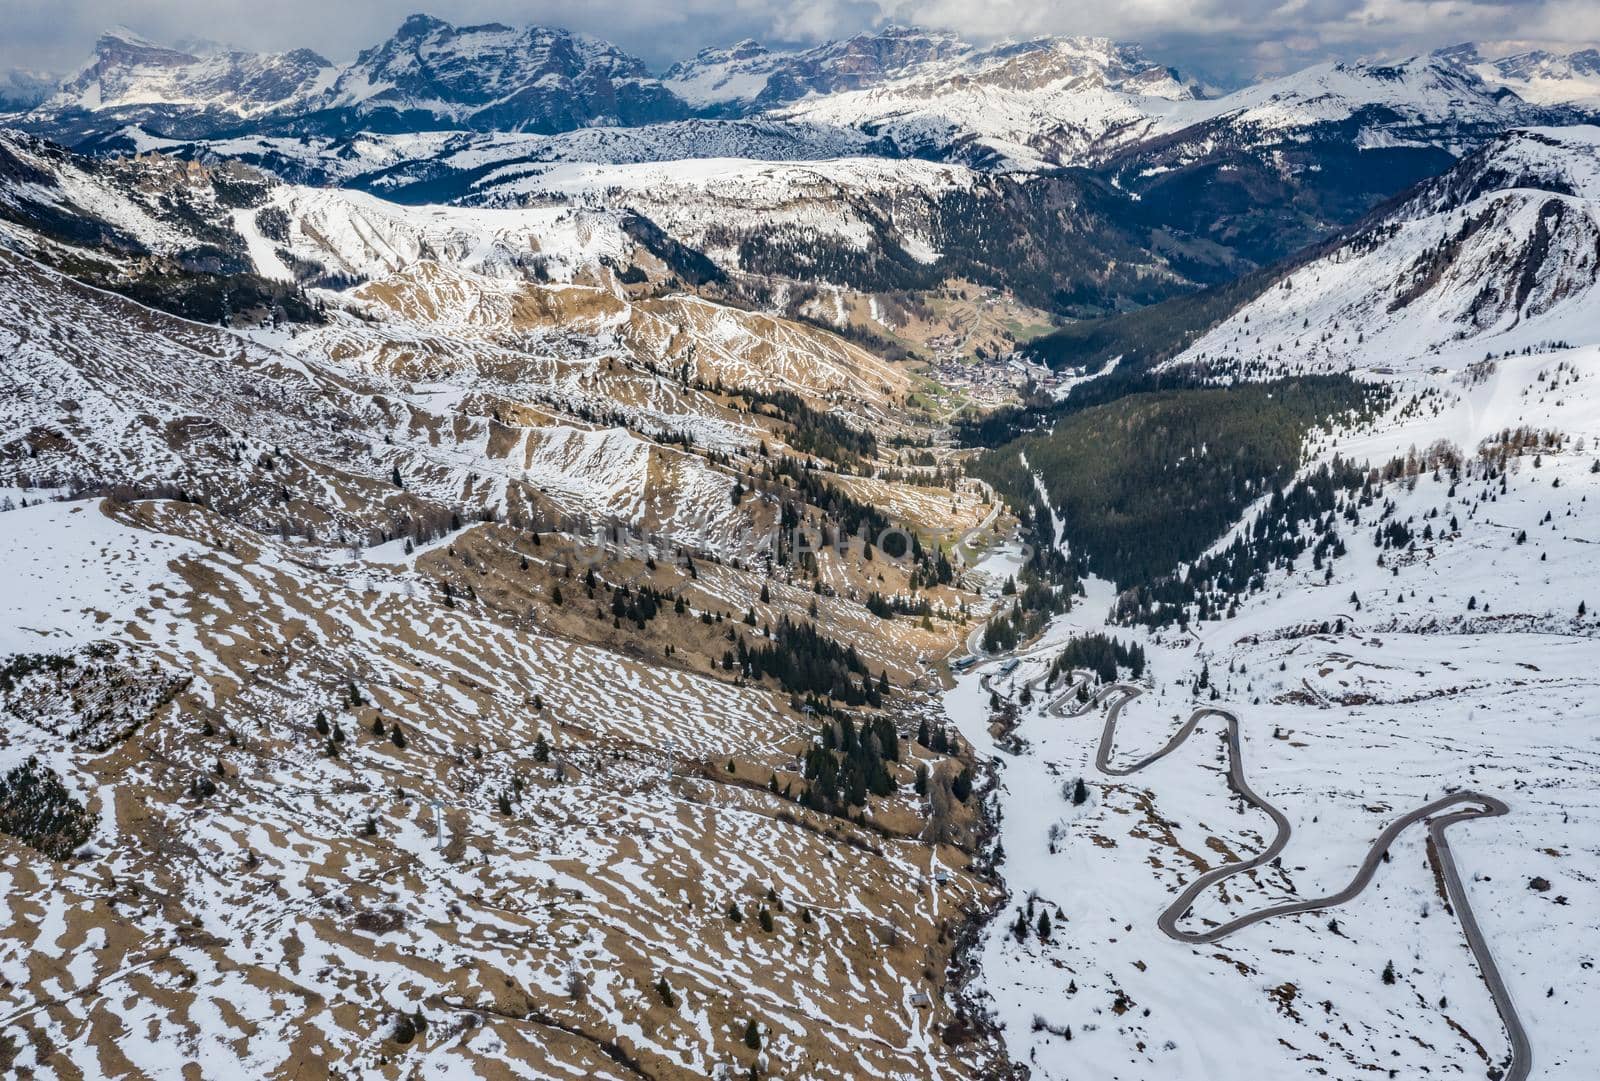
pixel 128 74
pixel 494 77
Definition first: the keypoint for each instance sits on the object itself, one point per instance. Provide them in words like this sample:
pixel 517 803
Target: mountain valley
pixel 892 558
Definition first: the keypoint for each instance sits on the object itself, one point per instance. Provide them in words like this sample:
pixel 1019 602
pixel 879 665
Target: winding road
pixel 1467 806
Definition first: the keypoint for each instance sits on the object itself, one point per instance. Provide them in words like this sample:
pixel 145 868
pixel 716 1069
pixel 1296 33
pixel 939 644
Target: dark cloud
pixel 1228 40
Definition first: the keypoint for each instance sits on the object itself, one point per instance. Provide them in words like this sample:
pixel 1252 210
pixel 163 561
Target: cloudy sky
pixel 1226 39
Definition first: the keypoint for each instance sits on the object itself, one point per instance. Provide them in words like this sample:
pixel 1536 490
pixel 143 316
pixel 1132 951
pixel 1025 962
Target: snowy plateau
pixel 895 559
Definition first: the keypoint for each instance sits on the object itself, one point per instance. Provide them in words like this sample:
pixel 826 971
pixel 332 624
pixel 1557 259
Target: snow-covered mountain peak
pixel 420 25
pixel 1420 88
pixel 1019 104
pixel 1088 62
pixel 1538 75
pixel 749 74
pixel 1498 255
pixel 128 70
pixel 494 76
pixel 1561 160
pixel 125 37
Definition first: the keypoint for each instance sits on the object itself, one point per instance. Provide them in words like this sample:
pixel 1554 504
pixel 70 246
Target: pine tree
pixel 1388 973
pixel 961 787
pixel 752 1035
pixel 766 921
pixel 1080 793
pixel 1044 927
pixel 664 992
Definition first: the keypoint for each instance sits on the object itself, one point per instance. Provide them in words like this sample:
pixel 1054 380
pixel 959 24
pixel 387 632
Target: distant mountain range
pixel 1045 101
pixel 491 77
pixel 1540 77
pixel 1126 150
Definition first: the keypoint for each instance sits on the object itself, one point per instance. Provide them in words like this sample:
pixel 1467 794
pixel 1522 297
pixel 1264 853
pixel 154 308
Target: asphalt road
pixel 1467 806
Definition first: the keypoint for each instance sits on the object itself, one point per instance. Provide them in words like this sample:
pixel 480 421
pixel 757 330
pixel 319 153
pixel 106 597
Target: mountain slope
pixel 494 77
pixel 1538 76
pixel 1274 167
pixel 429 74
pixel 407 662
pixel 1211 185
pixel 133 80
pixel 1499 254
pixel 1403 618
pixel 1028 104
pixel 746 76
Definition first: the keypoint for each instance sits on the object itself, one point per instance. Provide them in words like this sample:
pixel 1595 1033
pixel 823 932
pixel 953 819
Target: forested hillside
pixel 1152 479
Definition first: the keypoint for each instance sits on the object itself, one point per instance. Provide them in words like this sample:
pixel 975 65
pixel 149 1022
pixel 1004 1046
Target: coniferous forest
pixel 1150 480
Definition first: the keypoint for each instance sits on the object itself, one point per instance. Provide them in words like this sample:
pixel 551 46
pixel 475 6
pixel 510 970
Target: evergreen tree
pixel 961 787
